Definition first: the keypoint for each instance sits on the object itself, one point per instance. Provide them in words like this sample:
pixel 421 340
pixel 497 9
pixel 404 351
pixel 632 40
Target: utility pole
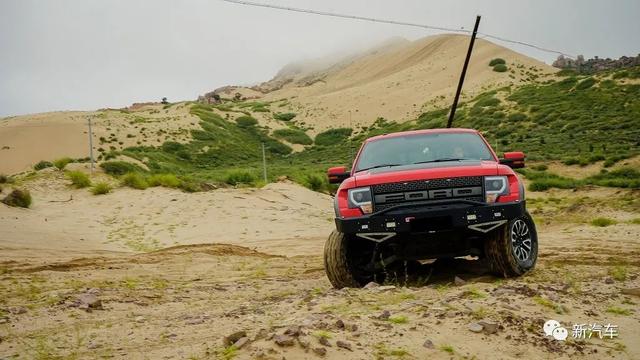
pixel 264 164
pixel 90 143
pixel 464 72
pixel 350 144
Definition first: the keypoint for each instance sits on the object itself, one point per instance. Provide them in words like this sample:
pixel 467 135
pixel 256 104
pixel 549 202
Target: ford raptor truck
pixel 428 194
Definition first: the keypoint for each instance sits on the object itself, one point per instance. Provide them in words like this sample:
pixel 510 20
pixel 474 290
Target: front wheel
pixel 513 249
pixel 337 264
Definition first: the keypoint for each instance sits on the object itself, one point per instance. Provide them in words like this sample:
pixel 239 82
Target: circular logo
pixel 560 333
pixel 549 326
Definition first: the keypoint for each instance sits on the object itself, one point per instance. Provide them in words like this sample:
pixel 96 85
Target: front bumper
pixel 432 218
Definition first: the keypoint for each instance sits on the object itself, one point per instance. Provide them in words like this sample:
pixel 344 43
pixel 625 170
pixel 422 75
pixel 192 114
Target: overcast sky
pixel 89 54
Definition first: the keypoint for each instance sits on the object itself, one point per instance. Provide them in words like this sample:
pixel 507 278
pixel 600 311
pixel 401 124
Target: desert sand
pixel 164 274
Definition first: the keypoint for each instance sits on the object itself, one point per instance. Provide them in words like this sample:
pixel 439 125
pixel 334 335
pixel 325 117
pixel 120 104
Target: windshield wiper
pixel 380 166
pixel 440 160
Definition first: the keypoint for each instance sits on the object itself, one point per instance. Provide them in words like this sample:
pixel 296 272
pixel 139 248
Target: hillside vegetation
pixel 577 120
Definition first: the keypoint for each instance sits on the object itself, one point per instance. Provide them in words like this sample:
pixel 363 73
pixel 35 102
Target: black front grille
pixel 379 207
pixel 428 184
pixel 424 191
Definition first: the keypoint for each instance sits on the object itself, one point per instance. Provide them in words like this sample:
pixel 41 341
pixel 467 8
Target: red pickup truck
pixel 428 194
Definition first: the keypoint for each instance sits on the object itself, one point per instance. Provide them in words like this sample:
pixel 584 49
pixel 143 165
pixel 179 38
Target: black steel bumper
pixel 434 217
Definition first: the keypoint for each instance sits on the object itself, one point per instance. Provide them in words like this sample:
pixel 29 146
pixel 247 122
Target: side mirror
pixel 514 159
pixel 337 174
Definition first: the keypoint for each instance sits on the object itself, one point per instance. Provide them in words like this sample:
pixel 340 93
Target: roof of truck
pixel 425 131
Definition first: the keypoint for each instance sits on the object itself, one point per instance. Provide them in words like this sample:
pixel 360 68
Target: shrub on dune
pixel 284 116
pixel 18 198
pixel 316 182
pixel 239 177
pixel 500 68
pixel 135 180
pixel 333 136
pixel 101 188
pixel 42 165
pixel 165 180
pixel 246 121
pixel 496 61
pixel 602 222
pixel 62 162
pixel 119 167
pixel 79 179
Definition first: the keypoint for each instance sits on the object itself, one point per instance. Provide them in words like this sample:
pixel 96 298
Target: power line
pixel 356 17
pixel 394 22
pixel 527 44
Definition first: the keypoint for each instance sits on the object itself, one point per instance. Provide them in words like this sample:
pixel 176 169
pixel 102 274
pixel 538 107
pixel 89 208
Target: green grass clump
pixel 624 177
pixel 473 293
pixel 619 311
pixel 101 188
pixel 516 117
pixel 42 165
pixel 227 353
pixel 284 116
pixel 293 136
pixel 240 177
pixel 500 68
pixel 542 180
pixel 333 136
pixel 322 334
pixel 18 198
pixel 246 121
pixel 399 319
pixel 586 83
pixel 4 179
pixel 135 180
pixel 119 167
pixel 447 348
pixel 546 184
pixel 487 101
pixel 316 182
pixel 619 273
pixel 567 72
pixel 496 61
pixel 79 179
pixel 62 162
pixel 164 180
pixel 602 222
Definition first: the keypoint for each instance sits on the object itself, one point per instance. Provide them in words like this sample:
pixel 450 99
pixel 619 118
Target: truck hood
pixel 439 170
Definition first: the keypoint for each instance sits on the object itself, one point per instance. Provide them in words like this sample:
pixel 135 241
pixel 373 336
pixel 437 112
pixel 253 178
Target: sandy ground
pixel 128 220
pixel 250 260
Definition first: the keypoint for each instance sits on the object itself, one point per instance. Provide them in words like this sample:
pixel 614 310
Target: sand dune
pixel 397 80
pixel 25 140
pixel 400 82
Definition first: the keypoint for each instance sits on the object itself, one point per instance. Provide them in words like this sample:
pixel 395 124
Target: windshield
pixel 421 148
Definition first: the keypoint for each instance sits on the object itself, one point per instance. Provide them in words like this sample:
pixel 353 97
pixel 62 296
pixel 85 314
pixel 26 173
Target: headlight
pixel 360 198
pixel 494 186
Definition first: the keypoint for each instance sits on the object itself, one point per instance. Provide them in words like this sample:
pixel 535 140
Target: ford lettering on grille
pixel 392 194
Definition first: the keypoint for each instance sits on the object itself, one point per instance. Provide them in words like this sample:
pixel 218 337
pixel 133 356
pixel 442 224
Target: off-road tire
pixel 336 262
pixel 499 250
